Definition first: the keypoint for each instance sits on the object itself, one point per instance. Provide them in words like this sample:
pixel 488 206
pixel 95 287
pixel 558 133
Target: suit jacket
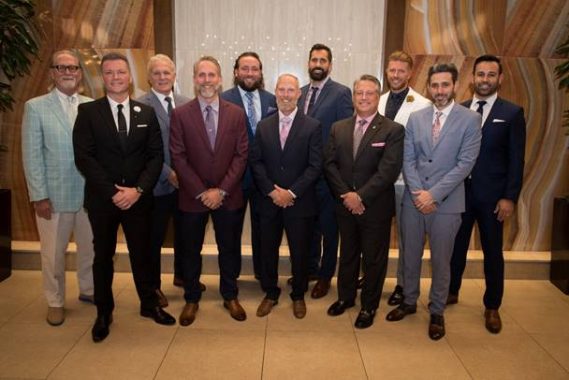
pixel 442 168
pixel 163 186
pixel 333 103
pixel 268 107
pixel 499 169
pixel 297 167
pixel 375 168
pixel 101 159
pixel 47 152
pixel 200 167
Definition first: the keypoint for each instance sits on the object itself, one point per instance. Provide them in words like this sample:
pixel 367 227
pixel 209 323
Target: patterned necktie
pixel 436 132
pixel 72 109
pixel 312 99
pixel 251 114
pixel 123 133
pixel 358 134
pixel 170 108
pixel 285 128
pixel 481 104
pixel 210 126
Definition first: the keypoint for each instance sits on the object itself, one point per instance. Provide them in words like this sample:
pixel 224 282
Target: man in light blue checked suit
pixel 55 186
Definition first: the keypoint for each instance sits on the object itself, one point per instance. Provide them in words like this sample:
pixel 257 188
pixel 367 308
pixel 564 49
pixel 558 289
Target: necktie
pixel 436 132
pixel 72 109
pixel 285 128
pixel 123 133
pixel 480 108
pixel 358 134
pixel 251 114
pixel 170 108
pixel 312 99
pixel 210 126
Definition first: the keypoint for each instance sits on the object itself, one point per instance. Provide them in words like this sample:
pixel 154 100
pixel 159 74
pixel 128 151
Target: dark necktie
pixel 480 108
pixel 170 108
pixel 358 135
pixel 251 114
pixel 210 126
pixel 312 99
pixel 123 133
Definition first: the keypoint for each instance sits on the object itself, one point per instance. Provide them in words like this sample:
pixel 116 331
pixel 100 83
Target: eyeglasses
pixel 62 68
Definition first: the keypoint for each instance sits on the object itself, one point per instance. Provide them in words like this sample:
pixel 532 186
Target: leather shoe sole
pixel 400 312
pixel 188 315
pixel 436 327
pixel 266 306
pixel 299 309
pixel 364 319
pixel 338 307
pixel 158 315
pixel 493 321
pixel 235 310
pixel 320 289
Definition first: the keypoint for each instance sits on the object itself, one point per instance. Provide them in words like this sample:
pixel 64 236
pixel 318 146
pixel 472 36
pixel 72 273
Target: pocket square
pixel 498 121
pixel 378 144
pixel 141 125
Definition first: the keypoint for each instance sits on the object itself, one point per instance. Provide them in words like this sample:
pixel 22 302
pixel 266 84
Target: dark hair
pixel 443 68
pixel 114 56
pixel 320 47
pixel 248 54
pixel 207 58
pixel 487 58
pixel 369 78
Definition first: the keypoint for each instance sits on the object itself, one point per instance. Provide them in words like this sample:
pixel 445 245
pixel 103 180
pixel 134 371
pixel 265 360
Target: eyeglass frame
pixel 63 68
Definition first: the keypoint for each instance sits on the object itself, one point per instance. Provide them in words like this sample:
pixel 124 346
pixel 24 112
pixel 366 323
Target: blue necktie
pixel 251 114
pixel 210 126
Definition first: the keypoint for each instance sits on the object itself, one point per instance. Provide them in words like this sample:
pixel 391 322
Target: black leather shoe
pixel 400 312
pixel 100 329
pixel 396 298
pixel 339 307
pixel 159 315
pixel 365 319
pixel 437 327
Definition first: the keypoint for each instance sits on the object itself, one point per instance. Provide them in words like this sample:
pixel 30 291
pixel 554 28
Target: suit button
pixel 430 160
pixel 426 178
pixel 282 167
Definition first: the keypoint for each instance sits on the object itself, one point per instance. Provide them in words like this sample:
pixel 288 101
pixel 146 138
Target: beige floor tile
pixel 312 355
pixel 214 354
pixel 546 318
pixel 18 291
pixel 557 346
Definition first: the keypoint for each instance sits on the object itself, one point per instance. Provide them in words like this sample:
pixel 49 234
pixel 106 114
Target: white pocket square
pixel 141 125
pixel 378 144
pixel 498 121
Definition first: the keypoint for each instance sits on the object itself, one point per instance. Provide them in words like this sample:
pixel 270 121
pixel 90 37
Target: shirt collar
pixel 114 104
pixel 445 110
pixel 161 96
pixel 320 84
pixel 291 116
pixel 214 105
pixel 368 119
pixel 64 97
pixel 399 95
pixel 243 92
pixel 489 100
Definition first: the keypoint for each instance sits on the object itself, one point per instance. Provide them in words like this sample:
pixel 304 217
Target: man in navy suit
pixel 286 159
pixel 327 101
pixel 493 187
pixel 249 93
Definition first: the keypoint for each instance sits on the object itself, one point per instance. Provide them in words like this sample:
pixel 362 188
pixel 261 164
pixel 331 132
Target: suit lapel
pixel 447 125
pixel 492 114
pixel 321 97
pixel 108 120
pixel 293 132
pixel 196 114
pixel 161 113
pixel 59 112
pixel 427 131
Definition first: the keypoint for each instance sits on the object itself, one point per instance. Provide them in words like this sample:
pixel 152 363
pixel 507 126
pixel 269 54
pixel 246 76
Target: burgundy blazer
pixel 198 166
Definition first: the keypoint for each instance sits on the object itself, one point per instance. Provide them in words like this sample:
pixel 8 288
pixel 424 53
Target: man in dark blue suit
pixel 327 101
pixel 493 187
pixel 249 94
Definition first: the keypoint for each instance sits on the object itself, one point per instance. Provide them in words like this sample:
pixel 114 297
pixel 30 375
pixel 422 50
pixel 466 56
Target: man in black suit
pixel 249 93
pixel 362 160
pixel 118 149
pixel 286 159
pixel 493 187
pixel 327 101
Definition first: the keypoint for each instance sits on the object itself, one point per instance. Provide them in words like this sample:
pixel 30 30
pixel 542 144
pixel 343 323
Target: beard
pixel 286 106
pixel 207 91
pixel 259 84
pixel 318 73
pixel 485 89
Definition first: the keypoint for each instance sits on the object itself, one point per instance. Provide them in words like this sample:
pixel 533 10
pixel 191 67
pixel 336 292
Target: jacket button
pixel 426 178
pixel 430 160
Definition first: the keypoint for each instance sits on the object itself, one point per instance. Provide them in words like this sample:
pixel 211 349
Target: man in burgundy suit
pixel 208 145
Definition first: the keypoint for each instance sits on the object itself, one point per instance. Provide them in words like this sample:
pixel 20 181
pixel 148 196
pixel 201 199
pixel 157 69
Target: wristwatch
pixel 139 190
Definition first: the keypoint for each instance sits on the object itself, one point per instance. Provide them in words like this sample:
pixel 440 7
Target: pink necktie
pixel 285 128
pixel 436 132
pixel 358 134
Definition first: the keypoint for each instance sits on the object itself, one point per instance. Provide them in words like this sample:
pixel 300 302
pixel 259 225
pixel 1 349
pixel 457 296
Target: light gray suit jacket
pixel 47 153
pixel 442 168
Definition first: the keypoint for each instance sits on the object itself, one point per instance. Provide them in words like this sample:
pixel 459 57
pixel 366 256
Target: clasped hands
pixel 212 198
pixel 424 202
pixel 353 202
pixel 281 197
pixel 125 197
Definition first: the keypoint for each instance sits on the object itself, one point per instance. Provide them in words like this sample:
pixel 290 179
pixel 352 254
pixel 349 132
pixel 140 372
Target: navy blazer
pixel 499 169
pixel 296 167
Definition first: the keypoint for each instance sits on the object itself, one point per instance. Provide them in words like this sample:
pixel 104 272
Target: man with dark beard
pixel 249 94
pixel 326 101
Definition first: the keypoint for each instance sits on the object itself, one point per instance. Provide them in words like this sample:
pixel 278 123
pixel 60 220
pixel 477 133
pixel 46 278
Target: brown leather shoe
pixel 266 306
pixel 162 300
pixel 437 327
pixel 321 288
pixel 235 310
pixel 188 315
pixel 299 309
pixel 493 321
pixel 452 299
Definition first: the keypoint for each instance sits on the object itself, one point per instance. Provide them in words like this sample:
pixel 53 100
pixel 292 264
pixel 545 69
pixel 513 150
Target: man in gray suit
pixel 441 146
pixel 161 76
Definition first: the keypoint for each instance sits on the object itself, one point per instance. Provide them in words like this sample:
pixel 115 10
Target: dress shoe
pixel 55 315
pixel 265 307
pixel 400 312
pixel 364 319
pixel 320 289
pixel 100 329
pixel 493 321
pixel 338 307
pixel 162 300
pixel 159 315
pixel 188 315
pixel 360 283
pixel 178 282
pixel 396 298
pixel 299 308
pixel 437 327
pixel 235 310
pixel 87 298
pixel 452 299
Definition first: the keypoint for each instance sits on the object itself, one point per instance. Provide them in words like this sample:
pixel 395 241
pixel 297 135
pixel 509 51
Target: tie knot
pixel 314 89
pixel 481 103
pixel 286 120
pixel 249 95
pixel 208 108
pixel 438 114
pixel 120 107
pixel 168 99
pixel 71 100
pixel 362 122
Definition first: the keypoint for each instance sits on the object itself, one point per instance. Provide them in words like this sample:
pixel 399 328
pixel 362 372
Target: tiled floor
pixel 534 343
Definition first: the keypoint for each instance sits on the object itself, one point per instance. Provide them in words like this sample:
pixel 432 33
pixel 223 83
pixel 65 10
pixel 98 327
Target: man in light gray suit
pixel 55 186
pixel 441 146
pixel 161 76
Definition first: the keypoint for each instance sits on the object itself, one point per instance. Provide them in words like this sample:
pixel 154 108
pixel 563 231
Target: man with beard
pixel 326 101
pixel 441 146
pixel 493 187
pixel 208 144
pixel 286 159
pixel 55 185
pixel 249 93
